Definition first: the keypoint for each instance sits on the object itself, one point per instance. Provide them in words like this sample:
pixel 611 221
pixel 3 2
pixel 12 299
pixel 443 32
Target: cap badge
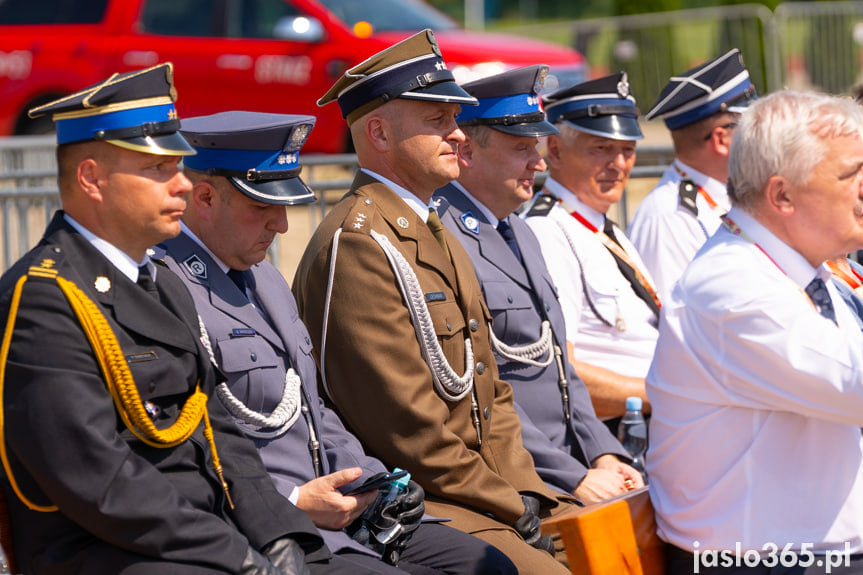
pixel 470 222
pixel 433 41
pixel 102 284
pixel 299 135
pixel 196 267
pixel 623 87
pixel 540 80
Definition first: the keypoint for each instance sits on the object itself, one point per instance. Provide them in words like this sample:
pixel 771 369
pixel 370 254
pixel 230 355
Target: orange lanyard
pixel 854 281
pixel 619 252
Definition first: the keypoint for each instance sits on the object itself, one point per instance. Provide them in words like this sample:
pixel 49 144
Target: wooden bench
pixel 615 537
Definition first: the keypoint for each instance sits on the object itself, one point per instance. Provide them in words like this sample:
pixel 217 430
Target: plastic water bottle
pixel 632 433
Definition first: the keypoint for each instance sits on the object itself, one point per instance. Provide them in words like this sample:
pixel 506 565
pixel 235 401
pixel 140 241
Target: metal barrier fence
pixel 29 196
pixel 804 45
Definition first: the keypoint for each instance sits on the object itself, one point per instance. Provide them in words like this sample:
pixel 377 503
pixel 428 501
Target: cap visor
pixel 614 127
pixel 289 192
pixel 531 129
pixel 161 145
pixel 448 92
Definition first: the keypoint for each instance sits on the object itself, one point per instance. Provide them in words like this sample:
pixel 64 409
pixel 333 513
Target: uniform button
pixel 448 326
pixel 254 356
pixel 152 386
pixel 308 341
pixel 547 307
pixel 480 368
pixel 486 413
pixel 367 201
pixel 509 299
pixel 474 325
pixel 57 249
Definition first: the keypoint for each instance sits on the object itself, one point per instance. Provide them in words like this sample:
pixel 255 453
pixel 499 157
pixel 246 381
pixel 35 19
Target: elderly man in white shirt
pixel 755 457
pixel 609 303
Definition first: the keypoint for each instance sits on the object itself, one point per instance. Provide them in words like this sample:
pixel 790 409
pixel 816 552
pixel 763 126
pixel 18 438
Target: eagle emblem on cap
pixel 433 41
pixel 623 86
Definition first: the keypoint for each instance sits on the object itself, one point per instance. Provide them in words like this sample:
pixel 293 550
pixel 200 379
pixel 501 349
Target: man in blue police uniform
pixel 245 173
pixel 117 456
pixel 572 450
pixel 701 108
pixel 608 301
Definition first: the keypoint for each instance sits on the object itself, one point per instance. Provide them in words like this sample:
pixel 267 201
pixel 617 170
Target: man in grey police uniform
pixel 572 450
pixel 701 108
pixel 117 456
pixel 245 173
pixel 605 292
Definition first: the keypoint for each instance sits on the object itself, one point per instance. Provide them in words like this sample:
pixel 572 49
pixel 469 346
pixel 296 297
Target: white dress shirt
pixel 667 235
pixel 757 404
pixel 607 323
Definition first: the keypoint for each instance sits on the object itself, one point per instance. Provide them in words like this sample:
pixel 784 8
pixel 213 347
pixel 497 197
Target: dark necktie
pixel 819 295
pixel 505 230
pixel 628 271
pixel 239 279
pixel 145 280
pixel 436 228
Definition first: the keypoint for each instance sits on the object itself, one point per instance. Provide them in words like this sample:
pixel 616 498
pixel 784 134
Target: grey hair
pixel 785 133
pixel 568 133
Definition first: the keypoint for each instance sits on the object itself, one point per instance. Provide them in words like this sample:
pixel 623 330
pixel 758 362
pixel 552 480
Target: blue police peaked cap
pixel 602 107
pixel 413 69
pixel 720 85
pixel 509 103
pixel 258 153
pixel 134 110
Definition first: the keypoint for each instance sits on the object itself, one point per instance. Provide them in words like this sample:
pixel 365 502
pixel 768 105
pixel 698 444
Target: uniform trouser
pixel 528 560
pixel 435 549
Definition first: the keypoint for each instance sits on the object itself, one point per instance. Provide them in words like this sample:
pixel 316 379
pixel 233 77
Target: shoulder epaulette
pixel 46 263
pixel 688 191
pixel 359 217
pixel 542 205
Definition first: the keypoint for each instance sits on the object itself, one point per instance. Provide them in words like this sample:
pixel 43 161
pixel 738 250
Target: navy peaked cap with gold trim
pixel 509 103
pixel 413 69
pixel 258 153
pixel 134 110
pixel 720 85
pixel 602 107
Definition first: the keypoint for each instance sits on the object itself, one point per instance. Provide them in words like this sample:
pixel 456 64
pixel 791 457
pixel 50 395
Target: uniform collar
pixel 185 229
pixel 120 259
pixel 595 217
pixel 784 256
pixel 490 217
pixel 417 205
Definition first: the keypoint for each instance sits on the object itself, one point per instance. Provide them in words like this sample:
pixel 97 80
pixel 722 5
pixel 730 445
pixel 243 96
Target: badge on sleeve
pixel 196 267
pixel 470 222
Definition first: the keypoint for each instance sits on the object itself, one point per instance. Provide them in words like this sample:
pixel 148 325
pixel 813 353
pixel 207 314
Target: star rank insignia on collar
pixel 470 222
pixel 196 267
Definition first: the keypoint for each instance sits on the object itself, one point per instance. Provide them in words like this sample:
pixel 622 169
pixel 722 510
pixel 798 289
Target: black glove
pixel 405 509
pixel 528 526
pixel 256 564
pixel 286 554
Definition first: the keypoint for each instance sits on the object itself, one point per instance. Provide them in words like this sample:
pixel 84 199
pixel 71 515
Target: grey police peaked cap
pixel 602 107
pixel 258 153
pixel 509 103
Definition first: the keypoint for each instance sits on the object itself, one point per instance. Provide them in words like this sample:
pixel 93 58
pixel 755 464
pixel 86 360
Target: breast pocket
pixel 511 309
pixel 249 364
pixel 449 325
pixel 603 300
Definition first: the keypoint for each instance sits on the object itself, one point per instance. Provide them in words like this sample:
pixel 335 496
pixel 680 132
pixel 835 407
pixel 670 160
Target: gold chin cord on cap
pixel 118 379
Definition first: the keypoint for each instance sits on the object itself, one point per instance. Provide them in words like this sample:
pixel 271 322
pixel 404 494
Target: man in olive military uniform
pixel 397 316
pixel 117 455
